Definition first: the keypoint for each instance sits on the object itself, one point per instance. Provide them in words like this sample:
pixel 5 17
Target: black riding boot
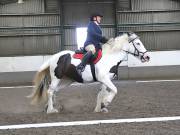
pixel 80 68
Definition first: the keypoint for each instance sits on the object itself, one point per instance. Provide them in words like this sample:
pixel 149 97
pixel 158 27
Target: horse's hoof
pixel 104 110
pixel 52 111
pixel 97 110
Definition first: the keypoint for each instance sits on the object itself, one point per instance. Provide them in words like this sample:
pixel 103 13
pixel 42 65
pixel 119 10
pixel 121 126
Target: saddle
pixel 80 53
pixel 97 56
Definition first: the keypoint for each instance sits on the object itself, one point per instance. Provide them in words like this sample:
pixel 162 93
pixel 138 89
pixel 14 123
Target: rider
pixel 93 40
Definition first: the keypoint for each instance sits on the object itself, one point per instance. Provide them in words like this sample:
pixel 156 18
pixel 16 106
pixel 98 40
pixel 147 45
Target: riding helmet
pixel 95 15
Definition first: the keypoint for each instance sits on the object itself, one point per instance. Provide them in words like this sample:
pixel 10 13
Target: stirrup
pixel 80 69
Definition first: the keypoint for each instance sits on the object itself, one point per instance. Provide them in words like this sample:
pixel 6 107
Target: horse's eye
pixel 138 43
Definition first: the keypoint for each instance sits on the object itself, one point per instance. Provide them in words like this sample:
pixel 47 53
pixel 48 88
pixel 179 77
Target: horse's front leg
pixel 108 95
pixel 50 105
pixel 100 98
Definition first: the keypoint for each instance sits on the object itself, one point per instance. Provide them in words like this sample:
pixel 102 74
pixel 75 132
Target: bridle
pixel 136 51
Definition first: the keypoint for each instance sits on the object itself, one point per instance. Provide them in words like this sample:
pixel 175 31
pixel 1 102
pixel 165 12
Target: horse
pixel 59 71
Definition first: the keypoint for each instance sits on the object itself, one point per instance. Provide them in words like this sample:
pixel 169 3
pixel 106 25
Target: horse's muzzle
pixel 145 58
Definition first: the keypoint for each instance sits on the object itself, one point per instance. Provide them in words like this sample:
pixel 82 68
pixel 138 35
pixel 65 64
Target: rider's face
pixel 98 19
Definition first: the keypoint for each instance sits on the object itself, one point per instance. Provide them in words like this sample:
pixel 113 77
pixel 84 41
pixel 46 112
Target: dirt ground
pixel 76 103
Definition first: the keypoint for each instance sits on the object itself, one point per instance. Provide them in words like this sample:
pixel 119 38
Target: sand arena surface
pixel 76 103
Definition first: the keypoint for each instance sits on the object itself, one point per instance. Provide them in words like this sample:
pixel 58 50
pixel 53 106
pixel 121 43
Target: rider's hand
pixel 104 40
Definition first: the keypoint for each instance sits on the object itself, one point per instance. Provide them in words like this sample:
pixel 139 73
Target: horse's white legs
pixel 53 86
pixel 108 97
pixel 100 97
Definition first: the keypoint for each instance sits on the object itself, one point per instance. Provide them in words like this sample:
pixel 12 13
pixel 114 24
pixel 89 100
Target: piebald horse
pixel 58 71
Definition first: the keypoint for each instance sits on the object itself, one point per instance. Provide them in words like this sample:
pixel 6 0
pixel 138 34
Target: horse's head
pixel 136 47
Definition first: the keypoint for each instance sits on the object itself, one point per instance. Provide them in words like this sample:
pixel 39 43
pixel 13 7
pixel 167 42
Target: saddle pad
pixel 97 55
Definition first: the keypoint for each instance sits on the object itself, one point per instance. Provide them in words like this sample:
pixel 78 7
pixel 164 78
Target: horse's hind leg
pixel 52 88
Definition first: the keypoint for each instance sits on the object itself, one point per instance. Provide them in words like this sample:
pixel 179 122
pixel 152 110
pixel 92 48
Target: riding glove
pixel 104 40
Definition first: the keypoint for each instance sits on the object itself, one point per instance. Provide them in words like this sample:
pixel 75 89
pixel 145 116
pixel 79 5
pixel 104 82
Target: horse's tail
pixel 41 83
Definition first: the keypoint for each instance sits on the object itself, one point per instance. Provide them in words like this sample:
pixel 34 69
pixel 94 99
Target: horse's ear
pixel 130 33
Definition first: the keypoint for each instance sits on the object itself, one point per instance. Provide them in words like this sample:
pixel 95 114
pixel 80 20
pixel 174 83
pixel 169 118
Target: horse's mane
pixel 115 44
